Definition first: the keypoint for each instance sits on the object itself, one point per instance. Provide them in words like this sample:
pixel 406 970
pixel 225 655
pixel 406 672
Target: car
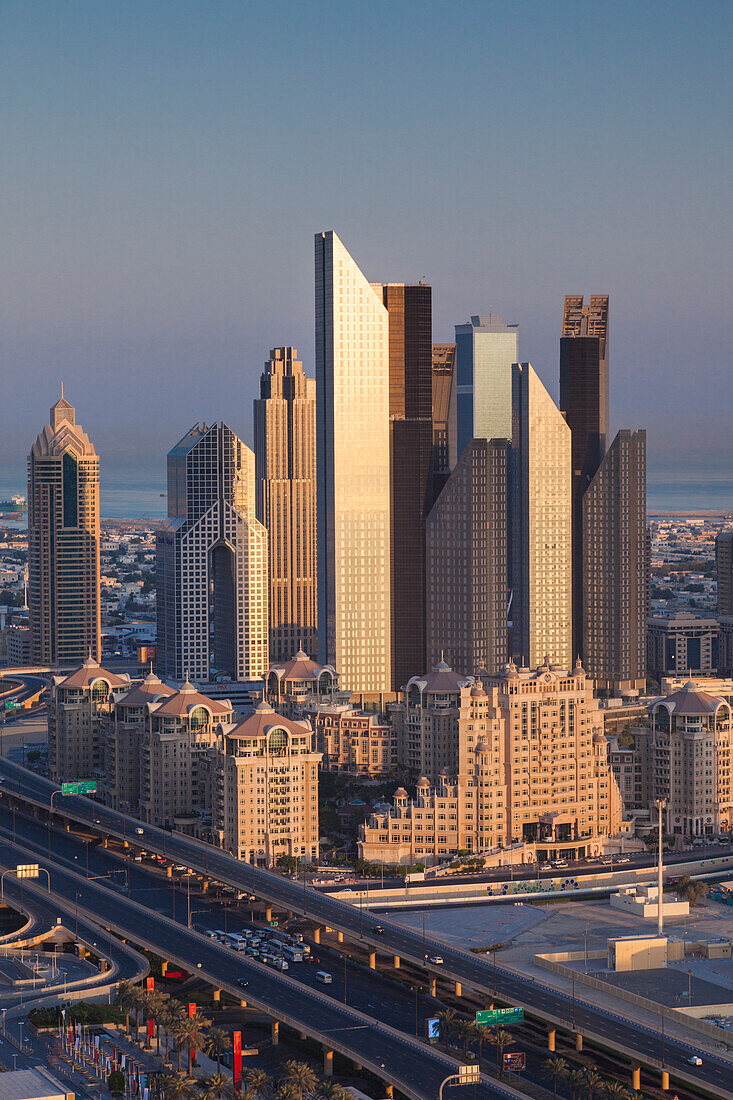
pixel 436 960
pixel 242 982
pixel 378 930
pixel 139 831
pixel 518 904
pixel 694 1060
pixel 608 861
pixel 625 860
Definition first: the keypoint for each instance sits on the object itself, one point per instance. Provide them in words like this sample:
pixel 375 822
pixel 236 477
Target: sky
pixel 165 166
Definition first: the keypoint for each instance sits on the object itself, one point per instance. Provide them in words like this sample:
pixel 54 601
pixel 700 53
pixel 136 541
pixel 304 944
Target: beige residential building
pixel 285 470
pixel 353 434
pixel 295 686
pixel 533 771
pixel 125 730
pixel 426 722
pixel 353 742
pixel 63 542
pixel 542 524
pixel 264 783
pixel 77 715
pixel 467 568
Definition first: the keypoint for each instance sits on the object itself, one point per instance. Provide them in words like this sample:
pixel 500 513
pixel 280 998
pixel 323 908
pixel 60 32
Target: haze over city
pixel 167 165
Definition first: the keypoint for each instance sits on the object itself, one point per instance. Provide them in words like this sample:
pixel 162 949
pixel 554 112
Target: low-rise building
pixel 263 775
pixel 18 646
pixel 532 770
pixel 353 742
pixel 681 643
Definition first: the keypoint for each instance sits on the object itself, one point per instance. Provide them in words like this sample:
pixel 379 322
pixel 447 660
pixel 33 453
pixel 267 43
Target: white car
pixel 436 960
pixel 139 831
pixel 695 1060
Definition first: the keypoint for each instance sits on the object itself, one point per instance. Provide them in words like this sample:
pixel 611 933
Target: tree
pixel 483 1035
pixel 257 1084
pixel 576 1079
pixel 465 1030
pixel 116 1082
pixel 329 1090
pixel 592 1082
pixel 125 998
pixel 288 863
pixel 301 1077
pixel 501 1040
pixel 176 1086
pixel 616 1090
pixel 217 1087
pixel 557 1069
pixel 216 1041
pixel 447 1022
pixel 171 1014
pixel 190 1033
pixel 156 1008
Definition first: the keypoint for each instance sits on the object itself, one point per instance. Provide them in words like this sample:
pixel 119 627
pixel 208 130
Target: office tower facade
pixel 681 644
pixel 584 394
pixel 541 509
pixel 63 542
pixel 724 566
pixel 444 358
pixel 549 788
pixel 285 471
pixel 353 493
pixel 467 570
pixel 409 311
pixel 616 567
pixel 481 401
pixel 211 562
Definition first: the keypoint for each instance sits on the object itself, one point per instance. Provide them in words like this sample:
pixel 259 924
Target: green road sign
pixel 83 786
pixel 12 705
pixel 490 1016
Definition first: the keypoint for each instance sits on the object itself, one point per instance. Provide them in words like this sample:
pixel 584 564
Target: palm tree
pixel 217 1087
pixel 156 1006
pixel 216 1041
pixel 483 1034
pixel 189 1033
pixel 576 1079
pixel 616 1090
pixel 301 1076
pixel 592 1082
pixel 138 1003
pixel 501 1039
pixel 329 1090
pixel 125 999
pixel 447 1023
pixel 176 1086
pixel 556 1068
pixel 257 1084
pixel 464 1031
pixel 172 1012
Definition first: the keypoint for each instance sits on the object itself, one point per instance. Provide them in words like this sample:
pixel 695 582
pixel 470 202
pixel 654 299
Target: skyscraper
pixel 467 573
pixel 211 562
pixel 541 524
pixel 616 567
pixel 285 470
pixel 724 565
pixel 481 401
pixel 409 310
pixel 444 358
pixel 63 542
pixel 584 401
pixel 352 416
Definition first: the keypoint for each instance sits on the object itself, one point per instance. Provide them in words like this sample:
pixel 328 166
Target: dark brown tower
pixel 584 403
pixel 411 442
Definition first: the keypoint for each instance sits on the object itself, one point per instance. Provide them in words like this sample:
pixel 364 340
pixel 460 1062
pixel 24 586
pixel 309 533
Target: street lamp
pixel 660 803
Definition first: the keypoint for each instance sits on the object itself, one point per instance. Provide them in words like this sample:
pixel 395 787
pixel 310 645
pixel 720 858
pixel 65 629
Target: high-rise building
pixel 63 542
pixel 285 470
pixel 409 310
pixel 211 562
pixel 353 437
pixel 532 770
pixel 724 563
pixel 467 570
pixel 481 400
pixel 584 395
pixel 425 722
pixel 616 567
pixel 444 357
pixel 681 643
pixel 76 719
pixel 541 525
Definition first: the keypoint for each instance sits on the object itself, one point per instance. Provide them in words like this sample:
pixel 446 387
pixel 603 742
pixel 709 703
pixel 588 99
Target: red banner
pixel 191 1008
pixel 150 984
pixel 237 1047
pixel 151 1028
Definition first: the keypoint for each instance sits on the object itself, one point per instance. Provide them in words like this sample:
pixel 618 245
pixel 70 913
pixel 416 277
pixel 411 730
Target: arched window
pixel 100 691
pixel 277 742
pixel 199 718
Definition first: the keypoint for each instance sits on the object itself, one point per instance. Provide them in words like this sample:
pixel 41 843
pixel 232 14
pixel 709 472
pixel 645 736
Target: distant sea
pixel 149 501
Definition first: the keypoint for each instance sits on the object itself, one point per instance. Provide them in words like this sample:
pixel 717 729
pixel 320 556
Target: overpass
pixel 641 1044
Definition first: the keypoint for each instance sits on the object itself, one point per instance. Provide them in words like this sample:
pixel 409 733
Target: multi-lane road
pixel 413 1067
pixel 472 971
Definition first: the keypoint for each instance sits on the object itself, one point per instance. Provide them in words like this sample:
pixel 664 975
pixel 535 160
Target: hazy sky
pixel 165 166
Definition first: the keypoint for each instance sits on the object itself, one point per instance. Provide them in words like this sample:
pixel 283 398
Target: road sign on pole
pixel 489 1016
pixel 27 870
pixel 468 1074
pixel 81 786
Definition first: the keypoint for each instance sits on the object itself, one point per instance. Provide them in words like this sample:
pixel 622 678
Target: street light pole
pixel 660 803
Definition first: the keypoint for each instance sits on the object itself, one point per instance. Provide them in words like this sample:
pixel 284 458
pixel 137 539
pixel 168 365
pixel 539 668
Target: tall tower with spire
pixel 63 542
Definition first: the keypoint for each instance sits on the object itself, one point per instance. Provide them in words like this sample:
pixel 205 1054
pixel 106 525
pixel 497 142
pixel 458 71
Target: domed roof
pixel 690 701
pixel 477 691
pixel 482 746
pixel 423 781
pixel 400 793
pixel 152 687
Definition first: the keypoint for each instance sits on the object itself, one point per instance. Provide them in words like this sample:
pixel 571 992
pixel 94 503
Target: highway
pixel 413 1067
pixel 609 1028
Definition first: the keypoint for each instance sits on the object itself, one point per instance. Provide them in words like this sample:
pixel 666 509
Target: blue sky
pixel 166 165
